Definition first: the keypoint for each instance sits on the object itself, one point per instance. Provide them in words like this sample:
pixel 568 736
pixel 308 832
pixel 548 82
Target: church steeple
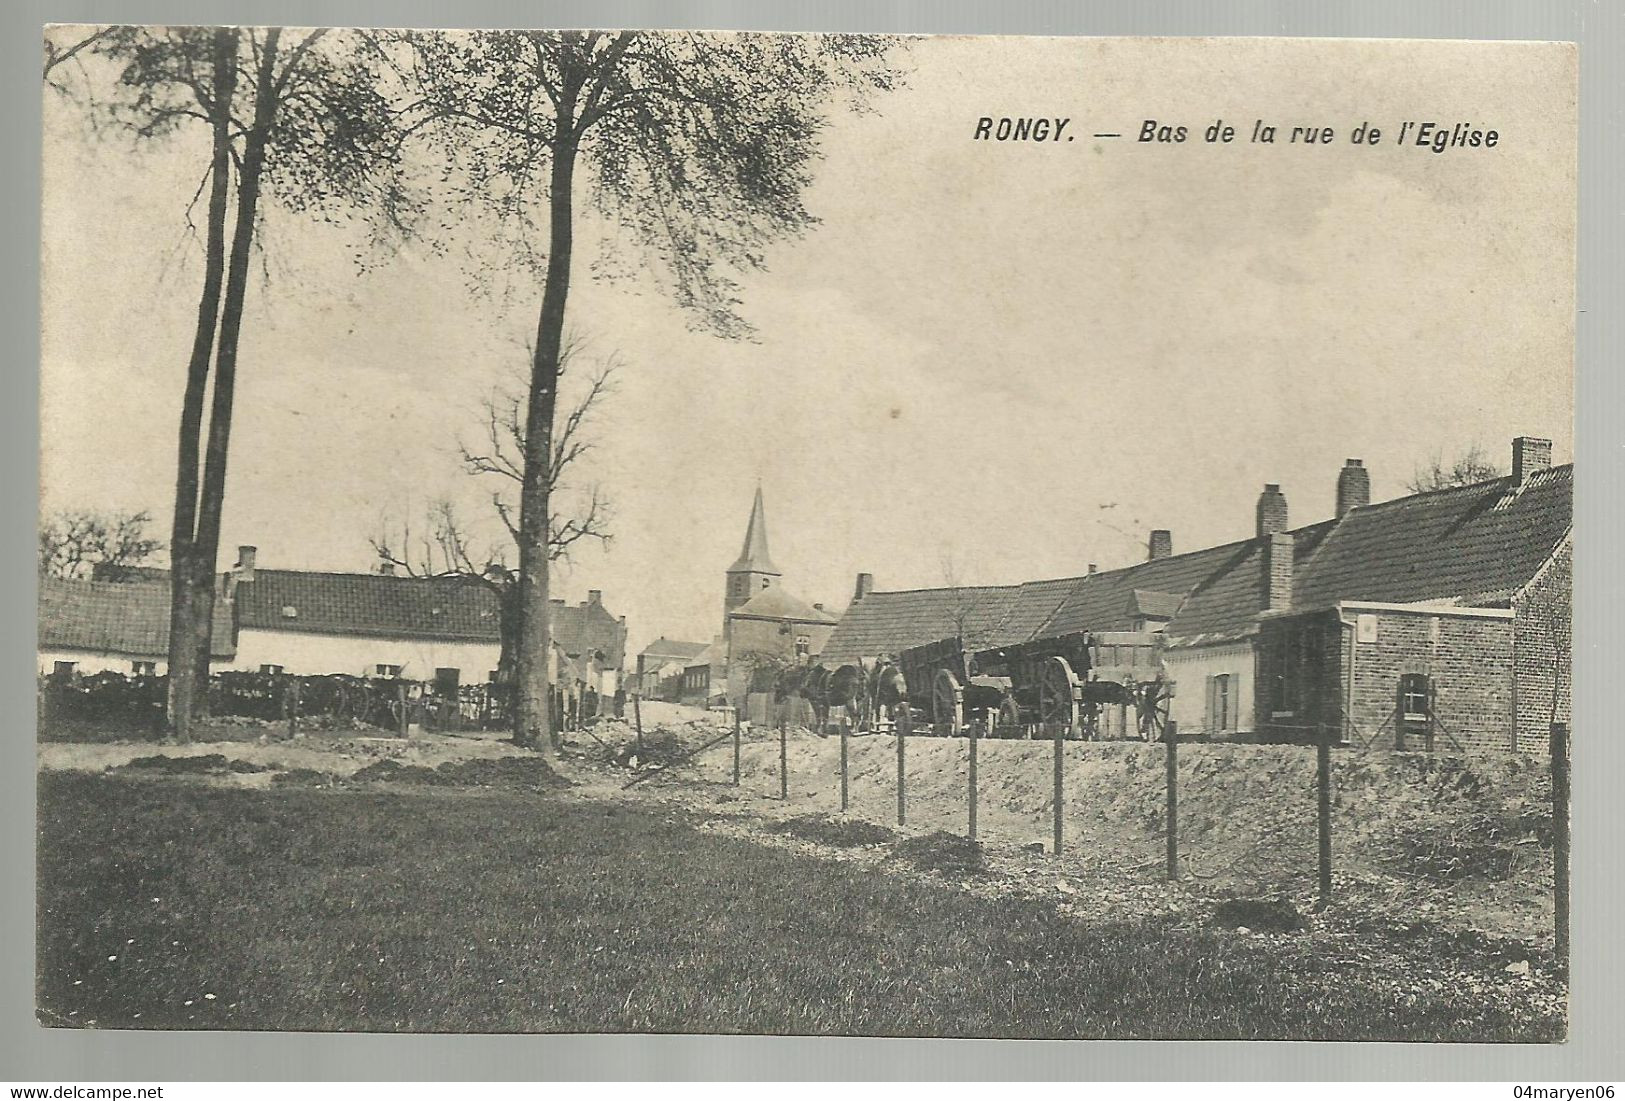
pixel 754 570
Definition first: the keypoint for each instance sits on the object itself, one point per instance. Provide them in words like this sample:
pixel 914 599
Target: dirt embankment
pixel 1462 837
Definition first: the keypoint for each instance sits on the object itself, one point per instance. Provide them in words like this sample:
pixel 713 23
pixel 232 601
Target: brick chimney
pixel 865 586
pixel 1278 570
pixel 244 570
pixel 1271 510
pixel 594 596
pixel 1529 456
pixel 386 569
pixel 1353 486
pixel 1092 567
pixel 1162 544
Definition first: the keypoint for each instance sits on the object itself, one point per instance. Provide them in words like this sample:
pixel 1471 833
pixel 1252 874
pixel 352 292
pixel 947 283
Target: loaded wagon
pixel 1089 685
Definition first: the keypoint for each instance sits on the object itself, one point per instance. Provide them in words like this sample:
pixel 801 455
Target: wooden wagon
pixel 1090 685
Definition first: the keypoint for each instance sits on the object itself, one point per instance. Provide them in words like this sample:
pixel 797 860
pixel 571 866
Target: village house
pixel 1438 619
pixel 661 665
pixel 88 627
pixel 442 629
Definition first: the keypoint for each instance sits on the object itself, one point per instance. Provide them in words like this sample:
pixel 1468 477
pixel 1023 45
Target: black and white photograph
pixel 838 535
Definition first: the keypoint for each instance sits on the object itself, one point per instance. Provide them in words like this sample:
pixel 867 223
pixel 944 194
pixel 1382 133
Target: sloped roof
pixel 1472 545
pixel 375 605
pixel 1225 605
pixel 388 606
pixel 118 618
pixel 1106 601
pixel 753 557
pixel 774 603
pixel 664 649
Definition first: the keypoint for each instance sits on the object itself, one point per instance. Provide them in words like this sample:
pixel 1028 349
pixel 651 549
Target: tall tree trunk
pixel 533 716
pixel 207 548
pixel 182 663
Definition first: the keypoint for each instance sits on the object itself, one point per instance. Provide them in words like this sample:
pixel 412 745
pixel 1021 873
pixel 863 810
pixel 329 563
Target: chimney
pixel 244 569
pixel 1278 570
pixel 386 569
pixel 595 596
pixel 556 601
pixel 496 571
pixel 1162 543
pixel 1271 510
pixel 1092 567
pixel 1353 486
pixel 818 607
pixel 1529 456
pixel 865 586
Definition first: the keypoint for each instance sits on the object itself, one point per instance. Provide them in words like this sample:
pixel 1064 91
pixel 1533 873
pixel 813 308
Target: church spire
pixel 753 558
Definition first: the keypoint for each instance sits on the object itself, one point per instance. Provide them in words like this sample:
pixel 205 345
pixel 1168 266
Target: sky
pixel 987 363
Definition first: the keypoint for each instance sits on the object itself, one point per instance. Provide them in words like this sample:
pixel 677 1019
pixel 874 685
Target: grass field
pixel 168 903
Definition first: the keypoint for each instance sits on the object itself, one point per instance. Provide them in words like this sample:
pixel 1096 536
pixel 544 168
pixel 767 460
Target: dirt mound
pixel 200 764
pixel 509 772
pixel 303 777
pixel 822 829
pixel 947 854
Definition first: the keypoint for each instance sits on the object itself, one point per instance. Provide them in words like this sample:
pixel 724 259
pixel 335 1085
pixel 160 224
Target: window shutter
pixel 1211 718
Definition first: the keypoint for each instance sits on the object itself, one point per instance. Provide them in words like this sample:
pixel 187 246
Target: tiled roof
pixel 118 618
pixel 775 603
pixel 663 650
pixel 1474 545
pixel 1226 604
pixel 1471 545
pixel 376 605
pixel 387 606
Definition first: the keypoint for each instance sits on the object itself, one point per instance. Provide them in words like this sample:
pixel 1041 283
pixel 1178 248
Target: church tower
pixel 754 570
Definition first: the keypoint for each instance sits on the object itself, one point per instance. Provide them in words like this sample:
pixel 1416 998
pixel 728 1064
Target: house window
pixel 1220 708
pixel 64 668
pixel 144 668
pixel 386 670
pixel 1413 695
pixel 273 670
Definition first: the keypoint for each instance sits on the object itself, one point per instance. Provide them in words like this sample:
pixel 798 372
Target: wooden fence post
pixel 1560 837
pixel 971 728
pixel 1323 798
pixel 293 708
pixel 1060 781
pixel 844 726
pixel 637 720
pixel 1171 740
pixel 902 782
pixel 736 747
pixel 784 761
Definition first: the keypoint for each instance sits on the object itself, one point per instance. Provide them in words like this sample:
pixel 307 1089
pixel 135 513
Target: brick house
pixel 661 665
pixel 1435 620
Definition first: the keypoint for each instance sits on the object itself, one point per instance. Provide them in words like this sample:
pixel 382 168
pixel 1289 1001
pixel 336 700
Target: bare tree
pixel 1472 465
pixel 698 145
pixel 306 122
pixel 444 546
pixel 73 543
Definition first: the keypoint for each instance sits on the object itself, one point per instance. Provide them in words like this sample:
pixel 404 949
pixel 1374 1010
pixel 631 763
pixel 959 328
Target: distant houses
pixel 303 622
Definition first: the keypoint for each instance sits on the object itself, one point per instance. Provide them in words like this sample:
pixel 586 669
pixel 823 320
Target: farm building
pixel 1436 619
pixel 445 629
pixel 88 627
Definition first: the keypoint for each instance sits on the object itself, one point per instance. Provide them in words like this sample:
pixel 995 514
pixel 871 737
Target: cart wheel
pixel 1058 692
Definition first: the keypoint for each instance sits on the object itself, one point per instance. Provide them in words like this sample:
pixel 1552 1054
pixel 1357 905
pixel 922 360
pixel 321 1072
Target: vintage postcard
pixel 630 531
